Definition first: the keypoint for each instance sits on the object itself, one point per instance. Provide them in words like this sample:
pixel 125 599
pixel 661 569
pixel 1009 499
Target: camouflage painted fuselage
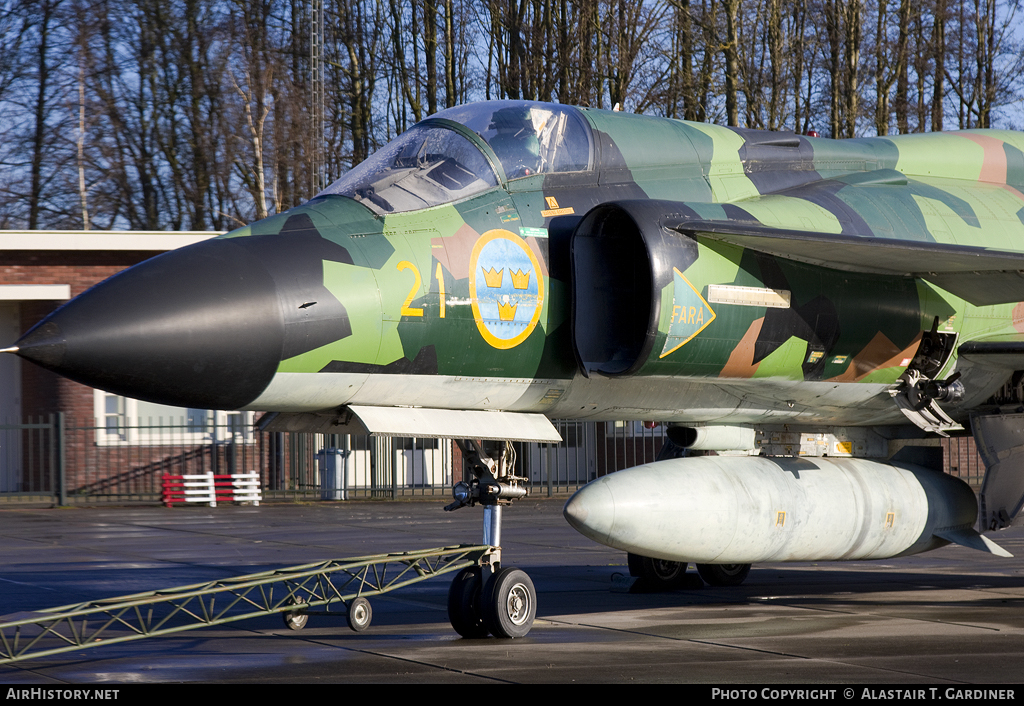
pixel 510 299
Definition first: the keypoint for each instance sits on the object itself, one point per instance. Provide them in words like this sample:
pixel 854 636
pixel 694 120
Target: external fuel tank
pixel 737 510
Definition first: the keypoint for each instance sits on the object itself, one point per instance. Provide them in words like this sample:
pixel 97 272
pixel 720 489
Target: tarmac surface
pixel 953 616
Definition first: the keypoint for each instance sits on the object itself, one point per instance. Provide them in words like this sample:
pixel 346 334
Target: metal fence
pixel 31 457
pixel 64 461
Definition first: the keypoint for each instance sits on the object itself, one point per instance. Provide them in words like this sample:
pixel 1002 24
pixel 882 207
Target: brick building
pixel 39 270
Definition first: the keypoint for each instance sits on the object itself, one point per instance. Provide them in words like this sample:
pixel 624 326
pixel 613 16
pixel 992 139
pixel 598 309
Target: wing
pixel 960 235
pixel 978 275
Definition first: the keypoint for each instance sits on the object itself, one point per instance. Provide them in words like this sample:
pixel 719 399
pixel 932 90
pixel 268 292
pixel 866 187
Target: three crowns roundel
pixel 506 287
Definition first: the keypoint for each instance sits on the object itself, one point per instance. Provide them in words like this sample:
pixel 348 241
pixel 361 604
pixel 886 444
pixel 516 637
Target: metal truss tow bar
pixel 292 592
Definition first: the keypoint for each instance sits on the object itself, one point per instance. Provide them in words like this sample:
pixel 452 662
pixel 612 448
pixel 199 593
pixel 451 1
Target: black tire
pixel 360 614
pixel 295 619
pixel 464 603
pixel 657 573
pixel 723 574
pixel 510 603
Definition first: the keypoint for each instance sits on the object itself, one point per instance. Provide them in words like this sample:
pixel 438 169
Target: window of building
pixel 126 421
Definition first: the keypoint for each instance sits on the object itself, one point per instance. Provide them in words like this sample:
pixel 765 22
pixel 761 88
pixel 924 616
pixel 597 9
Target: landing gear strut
pixel 490 598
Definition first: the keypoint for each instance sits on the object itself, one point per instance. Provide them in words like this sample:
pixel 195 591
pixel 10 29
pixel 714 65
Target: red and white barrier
pixel 209 488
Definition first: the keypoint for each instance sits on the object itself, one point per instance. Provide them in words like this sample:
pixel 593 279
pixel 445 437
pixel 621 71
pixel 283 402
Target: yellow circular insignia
pixel 506 288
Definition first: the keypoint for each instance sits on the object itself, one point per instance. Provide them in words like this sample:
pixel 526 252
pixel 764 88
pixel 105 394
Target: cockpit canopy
pixel 528 137
pixel 426 166
pixel 463 151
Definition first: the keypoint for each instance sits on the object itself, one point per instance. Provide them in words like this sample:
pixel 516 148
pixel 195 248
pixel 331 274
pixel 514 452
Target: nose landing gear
pixel 490 598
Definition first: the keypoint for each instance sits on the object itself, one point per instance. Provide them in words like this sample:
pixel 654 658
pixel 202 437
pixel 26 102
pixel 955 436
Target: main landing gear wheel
pixel 723 574
pixel 658 573
pixel 295 619
pixel 510 603
pixel 359 614
pixel 464 603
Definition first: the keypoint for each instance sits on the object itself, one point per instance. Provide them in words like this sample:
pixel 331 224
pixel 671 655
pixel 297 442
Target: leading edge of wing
pixel 981 276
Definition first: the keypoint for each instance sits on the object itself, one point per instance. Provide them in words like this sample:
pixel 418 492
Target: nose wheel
pixel 464 603
pixel 511 603
pixel 504 606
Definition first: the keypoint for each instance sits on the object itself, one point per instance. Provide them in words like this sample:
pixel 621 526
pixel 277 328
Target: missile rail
pixel 292 592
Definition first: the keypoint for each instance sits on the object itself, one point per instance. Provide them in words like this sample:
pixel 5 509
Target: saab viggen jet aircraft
pixel 816 311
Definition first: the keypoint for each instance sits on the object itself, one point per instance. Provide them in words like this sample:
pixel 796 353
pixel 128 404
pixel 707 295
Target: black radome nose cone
pixel 43 345
pixel 196 327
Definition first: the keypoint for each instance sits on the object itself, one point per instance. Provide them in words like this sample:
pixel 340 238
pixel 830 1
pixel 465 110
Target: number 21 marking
pixel 439 274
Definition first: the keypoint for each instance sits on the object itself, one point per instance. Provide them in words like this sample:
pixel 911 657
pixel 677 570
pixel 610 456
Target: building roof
pixel 132 240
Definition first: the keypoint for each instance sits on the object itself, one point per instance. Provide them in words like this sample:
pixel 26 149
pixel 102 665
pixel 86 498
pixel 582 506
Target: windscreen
pixel 528 137
pixel 426 166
